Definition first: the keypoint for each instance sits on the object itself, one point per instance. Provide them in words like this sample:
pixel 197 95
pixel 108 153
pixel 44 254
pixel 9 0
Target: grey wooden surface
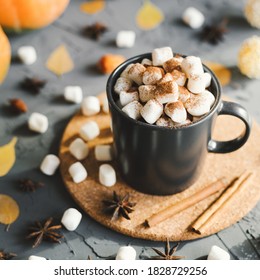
pixel 91 239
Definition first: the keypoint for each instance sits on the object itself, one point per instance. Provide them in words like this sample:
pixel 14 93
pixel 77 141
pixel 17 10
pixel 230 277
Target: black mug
pixel 161 160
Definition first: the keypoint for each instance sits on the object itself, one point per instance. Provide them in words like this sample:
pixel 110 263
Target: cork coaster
pixel 90 193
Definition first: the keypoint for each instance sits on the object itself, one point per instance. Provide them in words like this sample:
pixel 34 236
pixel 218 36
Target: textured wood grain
pixel 90 193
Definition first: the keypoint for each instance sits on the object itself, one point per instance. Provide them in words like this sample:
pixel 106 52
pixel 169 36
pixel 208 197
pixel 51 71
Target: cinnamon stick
pixel 202 223
pixel 187 202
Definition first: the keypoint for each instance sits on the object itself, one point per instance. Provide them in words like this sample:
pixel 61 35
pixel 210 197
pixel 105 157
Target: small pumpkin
pixel 18 15
pixel 5 55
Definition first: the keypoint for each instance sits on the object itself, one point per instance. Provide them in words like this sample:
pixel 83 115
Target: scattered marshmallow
pixel 125 39
pixel 135 73
pixel 152 111
pixel 179 77
pixel 107 175
pixel 167 92
pixel 126 253
pixel 217 253
pixel 78 172
pixel 126 97
pixel 89 130
pixel 146 62
pixel 36 258
pixel 38 122
pixel 133 109
pixel 146 92
pixel 79 149
pixel 161 55
pixel 90 106
pixel 176 111
pixel 172 64
pixel 192 65
pixel 122 84
pixel 196 84
pixel 50 164
pixel 207 79
pixel 71 219
pixel 27 54
pixel 73 94
pixel 197 105
pixel 193 17
pixel 152 75
pixel 103 153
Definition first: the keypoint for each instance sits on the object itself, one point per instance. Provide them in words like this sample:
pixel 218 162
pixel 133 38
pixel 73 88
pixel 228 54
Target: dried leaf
pixel 221 71
pixel 7 157
pixel 149 16
pixel 9 209
pixel 60 62
pixel 92 7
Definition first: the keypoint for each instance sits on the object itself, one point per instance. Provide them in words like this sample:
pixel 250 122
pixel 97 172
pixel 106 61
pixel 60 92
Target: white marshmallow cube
pixel 126 253
pixel 184 94
pixel 71 219
pixel 133 109
pixel 209 97
pixel 166 78
pixel 50 164
pixel 192 65
pixel 27 54
pixel 161 55
pixel 122 84
pixel 135 73
pixel 207 79
pixel 146 92
pixel 167 92
pixel 90 106
pixel 73 94
pixel 125 39
pixel 179 77
pixel 176 111
pixel 152 75
pixel 217 253
pixel 78 172
pixel 107 175
pixel 197 105
pixel 36 258
pixel 38 122
pixel 146 62
pixel 193 17
pixel 89 130
pixel 103 153
pixel 196 84
pixel 79 149
pixel 125 74
pixel 152 111
pixel 165 122
pixel 172 64
pixel 126 97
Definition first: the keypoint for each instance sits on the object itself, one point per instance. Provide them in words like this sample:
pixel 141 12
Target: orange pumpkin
pixel 5 55
pixel 30 14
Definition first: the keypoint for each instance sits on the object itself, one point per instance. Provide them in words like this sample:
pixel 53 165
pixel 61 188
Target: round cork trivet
pixel 90 193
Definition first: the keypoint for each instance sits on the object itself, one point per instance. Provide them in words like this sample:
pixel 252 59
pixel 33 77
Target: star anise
pixel 214 33
pixel 45 231
pixel 6 256
pixel 28 185
pixel 119 206
pixel 168 253
pixel 33 84
pixel 95 30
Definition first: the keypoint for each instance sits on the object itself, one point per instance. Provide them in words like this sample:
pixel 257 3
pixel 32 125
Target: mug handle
pixel 233 109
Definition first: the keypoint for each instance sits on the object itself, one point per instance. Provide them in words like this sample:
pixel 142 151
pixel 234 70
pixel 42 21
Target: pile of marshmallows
pixel 167 90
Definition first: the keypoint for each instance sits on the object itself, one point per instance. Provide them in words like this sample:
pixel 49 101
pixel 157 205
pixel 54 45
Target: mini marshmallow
pixel 152 75
pixel 179 77
pixel 136 73
pixel 172 64
pixel 79 149
pixel 103 153
pixel 71 219
pixel 125 74
pixel 125 39
pixel 209 97
pixel 90 106
pixel 161 55
pixel 167 92
pixel 36 258
pixel 146 92
pixel 196 84
pixel 197 105
pixel 193 17
pixel 133 109
pixel 126 253
pixel 50 164
pixel 122 84
pixel 78 172
pixel 89 130
pixel 127 97
pixel 166 78
pixel 27 54
pixel 217 253
pixel 187 121
pixel 152 111
pixel 165 122
pixel 184 94
pixel 107 175
pixel 207 79
pixel 191 65
pixel 73 94
pixel 146 62
pixel 38 122
pixel 176 111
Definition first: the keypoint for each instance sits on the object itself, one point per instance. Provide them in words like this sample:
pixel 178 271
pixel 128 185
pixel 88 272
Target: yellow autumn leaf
pixel 60 61
pixel 92 7
pixel 9 209
pixel 149 16
pixel 221 71
pixel 7 157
